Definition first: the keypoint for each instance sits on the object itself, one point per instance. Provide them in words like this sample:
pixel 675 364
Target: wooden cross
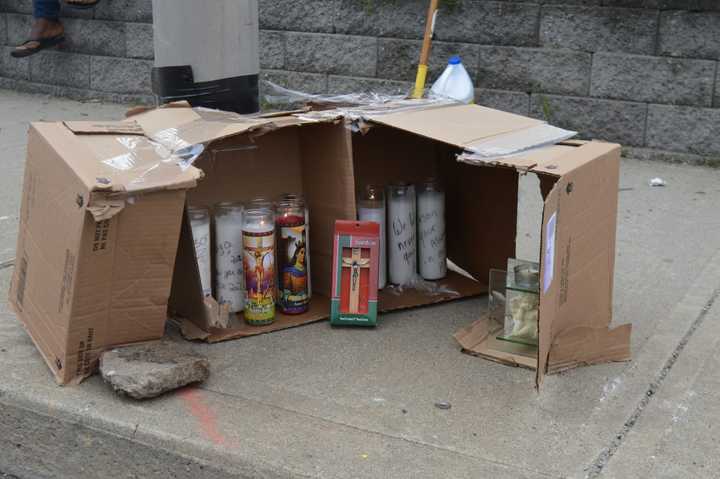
pixel 355 262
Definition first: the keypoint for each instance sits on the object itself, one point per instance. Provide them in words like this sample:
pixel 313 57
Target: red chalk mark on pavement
pixel 206 417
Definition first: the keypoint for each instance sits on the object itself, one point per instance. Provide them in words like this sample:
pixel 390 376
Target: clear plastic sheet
pixel 352 106
pixel 432 288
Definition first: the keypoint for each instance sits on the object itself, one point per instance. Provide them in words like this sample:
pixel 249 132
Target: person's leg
pixel 49 9
pixel 46 31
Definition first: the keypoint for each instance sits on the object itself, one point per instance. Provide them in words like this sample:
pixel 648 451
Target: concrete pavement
pixel 319 402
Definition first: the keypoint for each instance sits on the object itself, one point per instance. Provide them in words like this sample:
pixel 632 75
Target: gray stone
pixel 490 23
pixel 337 54
pixel 3 29
pixel 608 120
pixel 599 29
pixel 690 34
pixel 398 59
pixel 685 129
pixel 80 94
pixel 10 67
pixel 60 68
pixel 692 5
pixel 16 6
pixel 510 101
pixel 340 85
pixel 94 37
pixel 315 16
pixel 534 70
pixel 125 10
pixel 397 19
pixel 18 28
pixel 653 79
pixel 272 50
pixel 303 82
pixel 139 40
pixel 121 75
pixel 148 370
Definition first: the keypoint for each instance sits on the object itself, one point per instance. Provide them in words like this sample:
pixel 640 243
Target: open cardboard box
pixel 118 193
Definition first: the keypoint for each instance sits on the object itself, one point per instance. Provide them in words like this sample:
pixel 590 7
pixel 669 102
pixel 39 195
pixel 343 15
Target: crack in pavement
pixel 597 467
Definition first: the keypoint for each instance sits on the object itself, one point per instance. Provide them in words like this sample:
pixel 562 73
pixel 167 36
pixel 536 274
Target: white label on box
pixel 549 254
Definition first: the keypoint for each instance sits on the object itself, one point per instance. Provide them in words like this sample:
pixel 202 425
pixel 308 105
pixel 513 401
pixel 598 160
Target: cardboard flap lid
pixel 458 125
pixel 126 127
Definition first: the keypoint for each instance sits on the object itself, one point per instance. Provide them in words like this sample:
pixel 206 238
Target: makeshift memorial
pixel 200 224
pixel 371 207
pixel 292 257
pixel 259 265
pixel 402 233
pixel 431 231
pixel 229 275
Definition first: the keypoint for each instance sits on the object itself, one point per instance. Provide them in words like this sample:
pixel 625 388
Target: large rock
pixel 149 370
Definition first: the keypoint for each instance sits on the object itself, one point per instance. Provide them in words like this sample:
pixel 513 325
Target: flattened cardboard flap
pixel 457 125
pixel 127 127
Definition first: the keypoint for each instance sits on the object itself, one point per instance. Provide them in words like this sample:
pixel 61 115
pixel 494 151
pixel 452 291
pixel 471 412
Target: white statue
pixel 524 313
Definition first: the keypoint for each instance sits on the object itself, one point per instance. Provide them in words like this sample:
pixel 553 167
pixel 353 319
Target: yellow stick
pixel 425 53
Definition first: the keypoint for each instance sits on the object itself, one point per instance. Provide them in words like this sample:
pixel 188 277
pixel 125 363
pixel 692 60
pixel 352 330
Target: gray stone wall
pixel 640 72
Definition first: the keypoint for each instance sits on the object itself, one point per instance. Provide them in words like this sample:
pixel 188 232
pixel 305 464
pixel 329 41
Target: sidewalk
pixel 319 402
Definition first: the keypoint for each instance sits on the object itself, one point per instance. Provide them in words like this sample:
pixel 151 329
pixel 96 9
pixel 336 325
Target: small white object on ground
pixel 658 182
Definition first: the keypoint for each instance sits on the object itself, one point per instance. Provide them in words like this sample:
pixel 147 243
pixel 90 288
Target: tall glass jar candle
pixel 200 224
pixel 371 207
pixel 294 196
pixel 259 265
pixel 402 233
pixel 229 275
pixel 431 231
pixel 292 257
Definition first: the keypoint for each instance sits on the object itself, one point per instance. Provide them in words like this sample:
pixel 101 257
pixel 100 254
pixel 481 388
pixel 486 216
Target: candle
pixel 372 208
pixel 229 276
pixel 431 231
pixel 402 238
pixel 259 265
pixel 293 295
pixel 200 224
pixel 293 196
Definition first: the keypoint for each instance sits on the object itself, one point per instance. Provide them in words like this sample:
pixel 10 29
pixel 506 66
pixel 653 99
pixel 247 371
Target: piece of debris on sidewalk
pixel 658 182
pixel 148 370
pixel 443 405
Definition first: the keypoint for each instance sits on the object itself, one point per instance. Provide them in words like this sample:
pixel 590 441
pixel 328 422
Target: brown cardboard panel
pixel 385 155
pixel 457 125
pixel 481 216
pixel 127 127
pixel 319 310
pixel 237 169
pixel 390 300
pixel 571 349
pixel 477 340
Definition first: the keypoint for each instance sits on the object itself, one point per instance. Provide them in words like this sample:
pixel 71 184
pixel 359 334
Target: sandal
pixel 82 4
pixel 25 50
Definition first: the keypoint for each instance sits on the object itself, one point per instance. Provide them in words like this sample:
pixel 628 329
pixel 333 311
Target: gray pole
pixel 206 52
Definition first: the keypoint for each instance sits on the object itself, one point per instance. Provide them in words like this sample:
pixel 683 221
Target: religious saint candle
pixel 200 224
pixel 293 196
pixel 229 275
pixel 259 265
pixel 293 295
pixel 431 231
pixel 402 233
pixel 371 207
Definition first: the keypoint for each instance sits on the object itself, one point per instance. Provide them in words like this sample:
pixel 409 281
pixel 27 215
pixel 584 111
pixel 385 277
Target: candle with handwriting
pixel 431 231
pixel 229 276
pixel 200 224
pixel 371 207
pixel 402 237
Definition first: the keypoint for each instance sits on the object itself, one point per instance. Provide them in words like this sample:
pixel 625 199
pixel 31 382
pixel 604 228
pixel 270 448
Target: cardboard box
pixel 128 173
pixel 96 246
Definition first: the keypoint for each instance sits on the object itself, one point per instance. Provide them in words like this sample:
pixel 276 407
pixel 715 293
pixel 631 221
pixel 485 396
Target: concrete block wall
pixel 640 72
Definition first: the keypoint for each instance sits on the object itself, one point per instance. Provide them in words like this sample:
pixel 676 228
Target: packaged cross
pixel 356 258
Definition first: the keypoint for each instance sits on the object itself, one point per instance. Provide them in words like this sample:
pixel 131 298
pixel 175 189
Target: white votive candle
pixel 371 207
pixel 402 237
pixel 229 276
pixel 431 231
pixel 200 224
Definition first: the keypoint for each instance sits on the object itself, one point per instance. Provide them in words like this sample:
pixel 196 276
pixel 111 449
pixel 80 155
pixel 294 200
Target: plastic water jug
pixel 455 83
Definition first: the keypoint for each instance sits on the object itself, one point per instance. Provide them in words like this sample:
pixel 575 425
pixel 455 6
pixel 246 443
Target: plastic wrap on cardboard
pixel 515 143
pixel 433 288
pixel 352 106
